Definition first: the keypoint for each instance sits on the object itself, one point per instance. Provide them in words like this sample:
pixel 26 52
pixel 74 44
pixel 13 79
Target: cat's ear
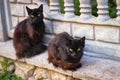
pixel 28 10
pixel 82 40
pixel 41 7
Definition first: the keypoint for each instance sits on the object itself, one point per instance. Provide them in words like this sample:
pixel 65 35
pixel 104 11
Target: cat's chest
pixel 33 33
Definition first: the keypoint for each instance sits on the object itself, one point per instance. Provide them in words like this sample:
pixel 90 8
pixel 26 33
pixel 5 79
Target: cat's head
pixel 35 15
pixel 75 47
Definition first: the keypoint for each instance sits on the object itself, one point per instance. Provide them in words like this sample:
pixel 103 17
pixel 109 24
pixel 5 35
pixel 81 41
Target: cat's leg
pixel 73 66
pixel 52 52
pixel 37 49
pixel 22 47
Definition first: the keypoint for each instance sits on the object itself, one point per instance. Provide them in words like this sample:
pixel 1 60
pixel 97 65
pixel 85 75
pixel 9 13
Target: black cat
pixel 66 52
pixel 29 34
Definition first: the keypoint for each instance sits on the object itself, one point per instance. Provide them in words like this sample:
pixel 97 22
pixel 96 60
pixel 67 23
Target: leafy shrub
pixel 5 74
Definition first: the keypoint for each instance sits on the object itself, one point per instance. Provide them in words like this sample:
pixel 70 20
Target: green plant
pixel 5 74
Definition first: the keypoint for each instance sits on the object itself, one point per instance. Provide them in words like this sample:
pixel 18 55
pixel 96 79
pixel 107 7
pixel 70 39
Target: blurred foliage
pixel 111 3
pixel 5 74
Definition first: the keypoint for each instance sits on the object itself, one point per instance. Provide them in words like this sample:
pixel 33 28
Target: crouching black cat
pixel 66 52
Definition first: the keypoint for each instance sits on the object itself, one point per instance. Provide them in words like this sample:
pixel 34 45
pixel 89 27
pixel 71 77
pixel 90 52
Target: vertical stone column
pixel 85 9
pixel 54 7
pixel 69 8
pixel 118 8
pixel 103 10
pixel 5 19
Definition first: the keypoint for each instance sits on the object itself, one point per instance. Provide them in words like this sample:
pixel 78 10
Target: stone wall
pixel 31 72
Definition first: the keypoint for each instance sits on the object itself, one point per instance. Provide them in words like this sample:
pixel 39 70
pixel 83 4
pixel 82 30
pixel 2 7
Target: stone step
pixel 93 68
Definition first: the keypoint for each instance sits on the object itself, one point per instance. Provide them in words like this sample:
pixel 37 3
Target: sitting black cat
pixel 29 34
pixel 66 52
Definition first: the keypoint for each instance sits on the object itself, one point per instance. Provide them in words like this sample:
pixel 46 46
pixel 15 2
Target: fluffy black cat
pixel 29 34
pixel 66 52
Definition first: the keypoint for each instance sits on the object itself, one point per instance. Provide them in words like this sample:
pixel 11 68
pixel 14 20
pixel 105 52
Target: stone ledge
pixel 92 68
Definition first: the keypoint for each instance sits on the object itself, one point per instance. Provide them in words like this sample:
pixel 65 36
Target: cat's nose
pixel 73 54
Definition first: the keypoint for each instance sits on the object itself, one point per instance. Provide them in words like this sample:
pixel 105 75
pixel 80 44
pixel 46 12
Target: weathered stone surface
pixel 31 78
pixel 24 70
pixel 40 73
pixel 57 76
pixel 47 38
pixel 59 27
pixel 20 73
pixel 102 48
pixel 25 67
pixel 109 34
pixel 12 0
pixel 69 78
pixel 21 19
pixel 7 49
pixel 1 29
pixel 17 9
pixel 24 1
pixel 11 33
pixel 49 26
pixel 80 30
pixel 11 68
pixel 98 69
pixel 14 21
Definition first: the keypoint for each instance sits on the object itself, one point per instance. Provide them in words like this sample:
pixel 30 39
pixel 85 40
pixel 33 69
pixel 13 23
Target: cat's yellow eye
pixel 38 14
pixel 78 49
pixel 71 50
pixel 32 16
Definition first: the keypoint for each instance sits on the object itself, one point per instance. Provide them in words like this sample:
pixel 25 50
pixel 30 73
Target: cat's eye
pixel 78 49
pixel 32 16
pixel 71 50
pixel 38 15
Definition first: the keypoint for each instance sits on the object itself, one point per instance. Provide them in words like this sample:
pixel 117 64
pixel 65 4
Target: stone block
pixel 7 50
pixel 108 34
pixel 24 1
pixel 14 21
pixel 47 38
pixel 59 27
pixel 21 19
pixel 57 76
pixel 17 9
pixel 80 30
pixel 1 29
pixel 40 73
pixel 12 0
pixel 24 70
pixel 49 26
pixel 102 48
